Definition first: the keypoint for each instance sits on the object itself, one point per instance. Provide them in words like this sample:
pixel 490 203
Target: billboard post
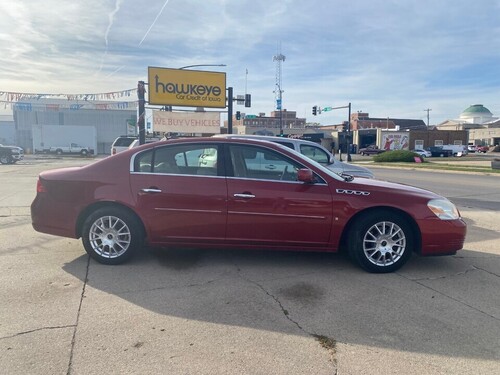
pixel 142 108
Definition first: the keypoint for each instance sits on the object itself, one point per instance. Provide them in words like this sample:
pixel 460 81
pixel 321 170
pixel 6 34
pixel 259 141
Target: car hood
pixel 12 147
pixel 392 188
pixel 351 169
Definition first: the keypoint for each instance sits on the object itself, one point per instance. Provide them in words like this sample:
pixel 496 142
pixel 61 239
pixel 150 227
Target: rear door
pixel 180 198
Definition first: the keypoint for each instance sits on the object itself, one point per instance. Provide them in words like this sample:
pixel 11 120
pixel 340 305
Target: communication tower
pixel 279 58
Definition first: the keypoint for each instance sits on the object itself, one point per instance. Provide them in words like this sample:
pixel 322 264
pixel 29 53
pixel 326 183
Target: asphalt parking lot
pixel 175 311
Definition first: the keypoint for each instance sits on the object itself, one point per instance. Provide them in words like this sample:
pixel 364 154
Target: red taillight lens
pixel 40 187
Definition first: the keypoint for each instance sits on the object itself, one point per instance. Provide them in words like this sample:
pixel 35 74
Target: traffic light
pixel 248 100
pixel 315 110
pixel 238 115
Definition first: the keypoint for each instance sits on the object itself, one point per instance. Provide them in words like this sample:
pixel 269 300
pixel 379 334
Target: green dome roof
pixel 476 109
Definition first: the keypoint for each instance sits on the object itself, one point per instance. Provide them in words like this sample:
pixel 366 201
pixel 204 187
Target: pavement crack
pixel 285 312
pixel 73 340
pixel 36 330
pixel 471 269
pixel 327 343
pixel 420 282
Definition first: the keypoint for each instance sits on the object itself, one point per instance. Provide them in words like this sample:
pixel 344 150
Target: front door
pixel 268 206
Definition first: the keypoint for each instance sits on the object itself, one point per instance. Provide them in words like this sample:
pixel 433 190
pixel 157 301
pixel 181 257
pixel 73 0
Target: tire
pixel 59 152
pixel 112 235
pixel 5 159
pixel 84 152
pixel 381 242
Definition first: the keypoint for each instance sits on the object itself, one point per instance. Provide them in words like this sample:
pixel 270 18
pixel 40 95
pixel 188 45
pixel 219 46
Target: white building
pixel 482 126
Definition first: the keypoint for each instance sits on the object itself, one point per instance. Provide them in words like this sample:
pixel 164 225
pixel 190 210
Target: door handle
pixel 151 190
pixel 245 196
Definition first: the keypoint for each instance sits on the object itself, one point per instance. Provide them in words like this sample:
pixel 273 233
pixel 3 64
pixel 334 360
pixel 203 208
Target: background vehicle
pixel 456 150
pixel 311 150
pixel 483 149
pixel 49 138
pixel 422 153
pixel 370 150
pixel 258 195
pixel 71 149
pixel 10 154
pixel 122 143
pixel 135 142
pixel 439 151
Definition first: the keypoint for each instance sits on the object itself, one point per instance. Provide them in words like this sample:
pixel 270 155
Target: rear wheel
pixel 112 235
pixel 84 152
pixel 5 159
pixel 381 242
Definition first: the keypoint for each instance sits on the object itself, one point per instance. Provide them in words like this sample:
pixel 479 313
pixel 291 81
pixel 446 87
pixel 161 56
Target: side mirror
pixel 305 175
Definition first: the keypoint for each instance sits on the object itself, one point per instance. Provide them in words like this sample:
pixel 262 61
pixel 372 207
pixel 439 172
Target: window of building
pixel 419 144
pixel 438 142
pixel 457 143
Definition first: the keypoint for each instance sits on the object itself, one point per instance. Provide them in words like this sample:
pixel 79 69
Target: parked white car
pixel 313 151
pixel 122 143
pixel 422 153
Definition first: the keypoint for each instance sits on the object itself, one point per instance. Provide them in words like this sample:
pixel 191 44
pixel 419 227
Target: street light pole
pixel 349 134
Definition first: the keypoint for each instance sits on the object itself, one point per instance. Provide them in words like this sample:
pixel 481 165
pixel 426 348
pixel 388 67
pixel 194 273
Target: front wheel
pixel 112 235
pixel 381 242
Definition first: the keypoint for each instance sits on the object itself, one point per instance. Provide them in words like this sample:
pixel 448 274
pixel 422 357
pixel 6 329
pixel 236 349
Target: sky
pixel 390 58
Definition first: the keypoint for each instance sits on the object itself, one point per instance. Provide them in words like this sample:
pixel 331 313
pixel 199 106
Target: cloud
pixel 388 58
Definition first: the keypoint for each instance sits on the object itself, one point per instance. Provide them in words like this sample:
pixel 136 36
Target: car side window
pixel 143 161
pixel 262 164
pixel 186 160
pixel 315 153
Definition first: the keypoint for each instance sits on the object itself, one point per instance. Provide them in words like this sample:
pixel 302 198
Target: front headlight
pixel 443 209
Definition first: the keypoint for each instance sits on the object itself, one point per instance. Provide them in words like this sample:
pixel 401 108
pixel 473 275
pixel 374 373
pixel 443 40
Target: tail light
pixel 40 187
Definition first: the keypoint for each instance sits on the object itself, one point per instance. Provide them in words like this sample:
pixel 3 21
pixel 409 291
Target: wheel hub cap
pixel 384 243
pixel 110 236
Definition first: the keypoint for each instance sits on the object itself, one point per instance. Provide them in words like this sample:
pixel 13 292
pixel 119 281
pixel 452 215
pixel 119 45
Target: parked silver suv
pixel 313 151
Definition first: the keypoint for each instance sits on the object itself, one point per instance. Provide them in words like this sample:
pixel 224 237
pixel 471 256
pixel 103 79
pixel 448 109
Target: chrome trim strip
pixel 277 215
pixel 188 210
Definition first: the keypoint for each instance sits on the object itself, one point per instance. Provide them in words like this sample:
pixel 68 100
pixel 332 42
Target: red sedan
pixel 227 193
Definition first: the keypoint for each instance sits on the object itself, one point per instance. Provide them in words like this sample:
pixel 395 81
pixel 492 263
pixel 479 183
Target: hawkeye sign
pixel 188 88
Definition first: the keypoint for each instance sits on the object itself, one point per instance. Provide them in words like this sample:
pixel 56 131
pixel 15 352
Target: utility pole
pixel 427 110
pixel 349 134
pixel 230 110
pixel 141 90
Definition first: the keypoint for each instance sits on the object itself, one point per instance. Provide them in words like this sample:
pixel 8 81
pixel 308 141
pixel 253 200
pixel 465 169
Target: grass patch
pixel 326 342
pixel 442 167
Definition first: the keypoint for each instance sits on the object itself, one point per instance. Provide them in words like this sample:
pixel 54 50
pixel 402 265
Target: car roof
pixel 266 138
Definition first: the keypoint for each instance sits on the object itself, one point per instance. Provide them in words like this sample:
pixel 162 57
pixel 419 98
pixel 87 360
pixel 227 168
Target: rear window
pixel 123 141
